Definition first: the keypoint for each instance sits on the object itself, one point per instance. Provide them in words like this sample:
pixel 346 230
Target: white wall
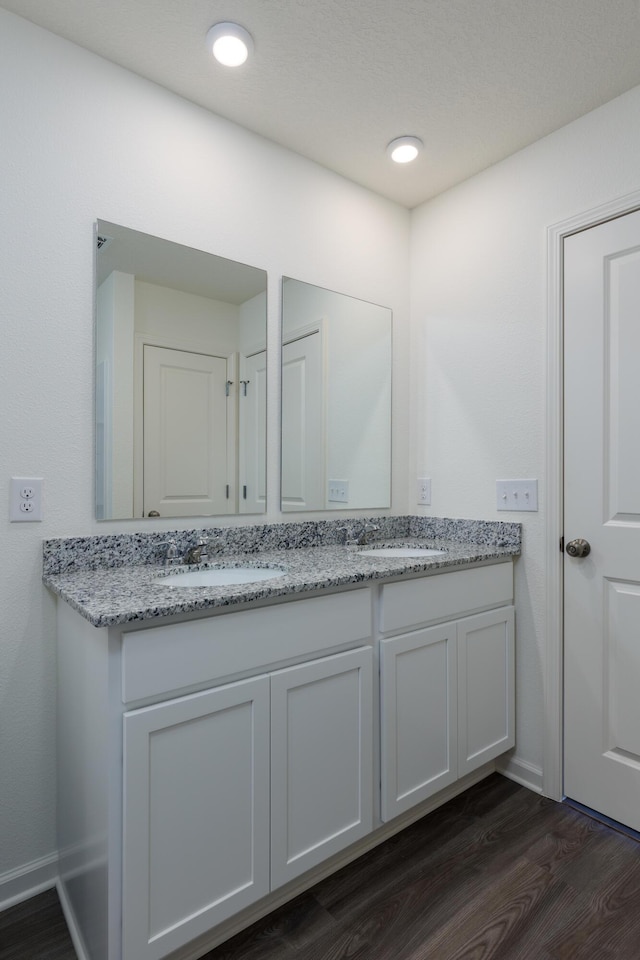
pixel 479 344
pixel 83 139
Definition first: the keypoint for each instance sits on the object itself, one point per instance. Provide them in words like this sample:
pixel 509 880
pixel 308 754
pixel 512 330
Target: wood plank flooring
pixel 498 873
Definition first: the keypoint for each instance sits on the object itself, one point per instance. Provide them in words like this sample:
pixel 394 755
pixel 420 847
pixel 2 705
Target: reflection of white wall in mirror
pixel 181 318
pixel 252 332
pixel 358 388
pixel 359 400
pixel 114 349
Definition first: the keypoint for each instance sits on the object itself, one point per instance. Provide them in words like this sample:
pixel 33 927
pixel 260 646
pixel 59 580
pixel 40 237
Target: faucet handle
pixel 171 553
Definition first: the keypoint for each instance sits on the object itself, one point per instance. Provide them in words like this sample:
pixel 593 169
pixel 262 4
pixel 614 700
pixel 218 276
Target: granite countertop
pixel 117 595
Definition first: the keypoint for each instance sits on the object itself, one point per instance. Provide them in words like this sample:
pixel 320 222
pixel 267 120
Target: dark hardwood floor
pixel 498 873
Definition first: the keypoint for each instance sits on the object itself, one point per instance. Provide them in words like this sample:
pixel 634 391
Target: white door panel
pixel 303 473
pixel 185 433
pixel 196 814
pixel 252 400
pixel 418 692
pixel 602 505
pixel 321 760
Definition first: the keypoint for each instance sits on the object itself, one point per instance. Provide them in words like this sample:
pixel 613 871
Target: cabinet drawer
pixel 442 596
pixel 168 658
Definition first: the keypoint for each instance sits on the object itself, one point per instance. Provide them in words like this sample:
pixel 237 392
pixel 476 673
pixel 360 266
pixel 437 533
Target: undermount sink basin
pixel 401 552
pixel 219 577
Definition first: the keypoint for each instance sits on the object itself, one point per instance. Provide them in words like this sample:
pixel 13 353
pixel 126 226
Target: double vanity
pixel 223 746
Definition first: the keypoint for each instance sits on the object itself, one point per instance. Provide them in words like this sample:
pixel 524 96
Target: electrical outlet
pixel 25 501
pixel 338 491
pixel 517 495
pixel 423 492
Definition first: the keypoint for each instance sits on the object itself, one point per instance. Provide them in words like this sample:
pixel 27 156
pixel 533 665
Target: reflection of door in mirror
pixel 185 433
pixel 252 447
pixel 302 423
pixel 344 461
pixel 163 444
pixel 252 402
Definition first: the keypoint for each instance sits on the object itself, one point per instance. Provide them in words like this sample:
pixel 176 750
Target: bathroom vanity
pixel 223 748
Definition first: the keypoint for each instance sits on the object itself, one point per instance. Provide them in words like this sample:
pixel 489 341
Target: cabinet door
pixel 196 814
pixel 486 687
pixel 418 715
pixel 321 756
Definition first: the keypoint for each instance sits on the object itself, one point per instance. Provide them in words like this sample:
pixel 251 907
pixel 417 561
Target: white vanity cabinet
pixel 214 759
pixel 231 792
pixel 447 691
pixel 213 766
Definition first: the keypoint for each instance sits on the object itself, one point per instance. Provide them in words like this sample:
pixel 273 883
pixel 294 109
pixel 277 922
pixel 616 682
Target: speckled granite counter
pixel 118 579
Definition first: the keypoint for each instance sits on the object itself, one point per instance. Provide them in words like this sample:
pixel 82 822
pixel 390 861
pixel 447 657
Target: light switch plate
pixel 338 491
pixel 517 495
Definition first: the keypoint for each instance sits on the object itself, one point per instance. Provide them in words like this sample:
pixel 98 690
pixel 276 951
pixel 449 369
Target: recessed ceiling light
pixel 404 149
pixel 230 43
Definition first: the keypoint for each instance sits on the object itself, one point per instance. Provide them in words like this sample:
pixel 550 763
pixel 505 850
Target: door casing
pixel 552 765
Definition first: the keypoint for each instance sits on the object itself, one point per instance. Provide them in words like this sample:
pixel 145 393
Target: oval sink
pixel 219 577
pixel 401 552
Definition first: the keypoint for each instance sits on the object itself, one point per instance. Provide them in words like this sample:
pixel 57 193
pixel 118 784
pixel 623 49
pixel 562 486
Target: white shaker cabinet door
pixel 419 717
pixel 321 757
pixel 486 687
pixel 196 814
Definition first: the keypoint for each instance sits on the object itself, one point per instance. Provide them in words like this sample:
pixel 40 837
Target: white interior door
pixel 602 506
pixel 185 433
pixel 303 473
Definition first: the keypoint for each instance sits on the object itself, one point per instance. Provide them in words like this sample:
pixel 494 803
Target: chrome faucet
pixel 366 534
pixel 199 552
pixel 171 556
pixel 364 537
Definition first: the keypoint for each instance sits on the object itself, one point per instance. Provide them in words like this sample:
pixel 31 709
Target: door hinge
pixel 561 544
pixel 227 491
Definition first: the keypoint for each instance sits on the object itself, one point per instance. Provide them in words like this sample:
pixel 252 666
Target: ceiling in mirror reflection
pixel 180 380
pixel 336 400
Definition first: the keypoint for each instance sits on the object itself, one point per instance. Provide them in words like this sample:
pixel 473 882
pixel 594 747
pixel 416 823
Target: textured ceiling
pixel 336 80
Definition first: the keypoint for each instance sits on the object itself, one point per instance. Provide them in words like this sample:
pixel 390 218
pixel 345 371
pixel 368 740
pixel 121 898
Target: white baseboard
pixel 28 880
pixel 526 774
pixel 74 932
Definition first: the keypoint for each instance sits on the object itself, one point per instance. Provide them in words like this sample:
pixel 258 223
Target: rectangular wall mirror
pixel 180 380
pixel 336 400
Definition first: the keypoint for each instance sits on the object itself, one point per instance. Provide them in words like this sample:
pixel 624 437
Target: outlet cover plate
pixel 25 500
pixel 423 491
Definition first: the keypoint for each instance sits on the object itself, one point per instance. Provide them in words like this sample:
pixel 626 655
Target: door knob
pixel 578 548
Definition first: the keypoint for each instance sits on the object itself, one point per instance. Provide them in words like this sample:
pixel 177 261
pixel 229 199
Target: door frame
pixel 553 680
